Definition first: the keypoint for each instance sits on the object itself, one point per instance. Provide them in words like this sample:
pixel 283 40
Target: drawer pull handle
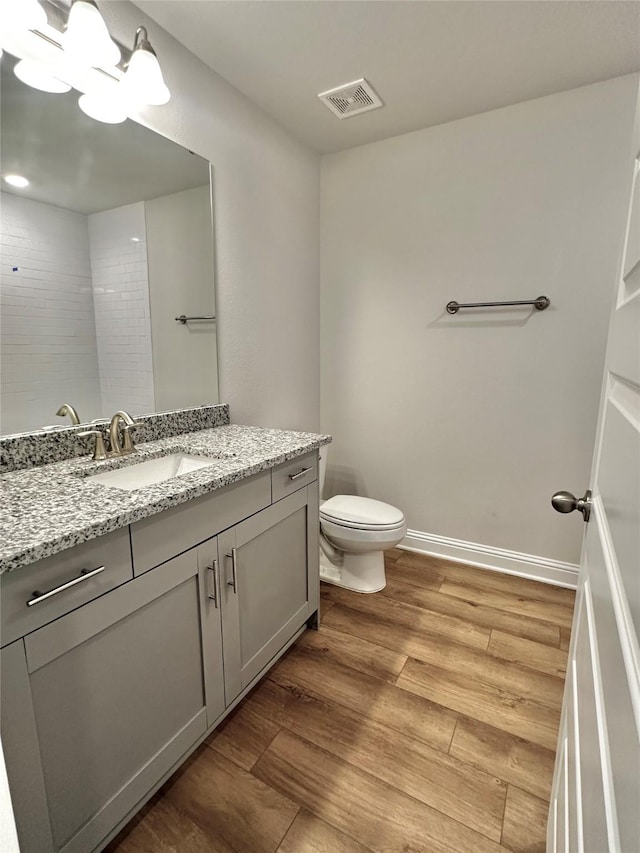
pixel 301 473
pixel 213 588
pixel 233 582
pixel 84 575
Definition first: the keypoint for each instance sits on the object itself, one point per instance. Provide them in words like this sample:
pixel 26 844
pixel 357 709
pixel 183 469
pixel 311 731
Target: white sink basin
pixel 152 471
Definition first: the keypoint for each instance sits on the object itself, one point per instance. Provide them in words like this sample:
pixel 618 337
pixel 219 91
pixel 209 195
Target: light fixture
pixel 64 45
pixel 39 76
pixel 102 108
pixel 143 83
pixel 25 15
pixel 86 39
pixel 16 181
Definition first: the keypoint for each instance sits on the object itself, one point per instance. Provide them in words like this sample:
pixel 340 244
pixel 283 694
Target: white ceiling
pixel 430 62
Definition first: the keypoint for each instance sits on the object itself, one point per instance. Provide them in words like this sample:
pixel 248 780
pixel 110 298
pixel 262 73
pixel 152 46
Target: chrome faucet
pixel 67 409
pixel 118 449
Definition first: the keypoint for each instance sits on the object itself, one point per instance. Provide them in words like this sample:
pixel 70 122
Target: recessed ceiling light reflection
pixel 16 181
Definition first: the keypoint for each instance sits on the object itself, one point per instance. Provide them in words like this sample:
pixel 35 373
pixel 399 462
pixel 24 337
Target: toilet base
pixel 358 572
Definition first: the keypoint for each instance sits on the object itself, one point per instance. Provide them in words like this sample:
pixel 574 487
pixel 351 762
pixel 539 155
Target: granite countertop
pixel 46 509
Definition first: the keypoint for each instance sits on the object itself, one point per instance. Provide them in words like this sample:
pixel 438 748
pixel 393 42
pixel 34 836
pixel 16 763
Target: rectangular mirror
pixel 109 243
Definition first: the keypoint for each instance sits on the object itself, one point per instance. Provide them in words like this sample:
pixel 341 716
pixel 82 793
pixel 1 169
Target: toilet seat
pixel 356 513
pixel 358 538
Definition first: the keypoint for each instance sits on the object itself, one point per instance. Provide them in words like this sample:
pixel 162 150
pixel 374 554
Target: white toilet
pixel 354 533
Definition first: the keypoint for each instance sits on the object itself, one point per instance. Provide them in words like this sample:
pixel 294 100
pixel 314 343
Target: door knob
pixel 566 502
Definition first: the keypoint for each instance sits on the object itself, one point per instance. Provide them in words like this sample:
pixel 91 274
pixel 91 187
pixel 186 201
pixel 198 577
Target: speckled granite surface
pixel 44 510
pixel 29 449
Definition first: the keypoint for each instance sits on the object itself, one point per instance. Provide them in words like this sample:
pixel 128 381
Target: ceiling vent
pixel 351 99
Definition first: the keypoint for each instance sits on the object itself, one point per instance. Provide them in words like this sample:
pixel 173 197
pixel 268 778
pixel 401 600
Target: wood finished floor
pixel 422 719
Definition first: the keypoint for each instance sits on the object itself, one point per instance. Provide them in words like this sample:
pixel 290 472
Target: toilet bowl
pixel 354 533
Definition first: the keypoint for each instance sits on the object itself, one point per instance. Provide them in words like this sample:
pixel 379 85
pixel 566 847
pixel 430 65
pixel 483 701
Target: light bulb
pixel 39 76
pixel 102 108
pixel 86 39
pixel 18 15
pixel 143 83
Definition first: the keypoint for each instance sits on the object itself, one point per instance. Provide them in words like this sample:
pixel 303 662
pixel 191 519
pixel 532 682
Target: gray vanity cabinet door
pixel 118 692
pixel 271 586
pixel 21 754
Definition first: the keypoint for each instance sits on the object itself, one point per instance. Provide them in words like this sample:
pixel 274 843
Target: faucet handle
pixel 128 447
pixel 100 451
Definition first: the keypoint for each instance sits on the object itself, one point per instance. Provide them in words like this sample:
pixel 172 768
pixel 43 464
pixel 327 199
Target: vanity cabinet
pixel 160 537
pixel 265 595
pixel 102 699
pixel 293 475
pixel 39 593
pixel 102 703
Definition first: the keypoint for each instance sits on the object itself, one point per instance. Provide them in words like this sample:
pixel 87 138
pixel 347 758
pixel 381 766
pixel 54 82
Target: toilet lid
pixel 352 511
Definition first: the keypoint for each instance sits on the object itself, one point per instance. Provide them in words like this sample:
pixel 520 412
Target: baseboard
pixel 494 559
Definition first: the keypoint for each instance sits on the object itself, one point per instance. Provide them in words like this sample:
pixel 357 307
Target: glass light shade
pixel 102 108
pixel 86 39
pixel 39 76
pixel 22 15
pixel 143 83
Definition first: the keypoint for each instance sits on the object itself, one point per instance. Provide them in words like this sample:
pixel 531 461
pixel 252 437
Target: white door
pixel 595 803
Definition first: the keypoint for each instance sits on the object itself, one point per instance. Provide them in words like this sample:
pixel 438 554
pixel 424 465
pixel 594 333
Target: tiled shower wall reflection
pixel 74 313
pixel 121 298
pixel 47 327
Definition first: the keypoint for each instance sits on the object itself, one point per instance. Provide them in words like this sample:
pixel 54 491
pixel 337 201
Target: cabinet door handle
pixel 301 473
pixel 233 582
pixel 213 587
pixel 84 575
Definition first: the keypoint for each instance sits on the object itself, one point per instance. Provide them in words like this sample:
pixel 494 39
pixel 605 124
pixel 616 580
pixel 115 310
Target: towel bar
pixel 540 303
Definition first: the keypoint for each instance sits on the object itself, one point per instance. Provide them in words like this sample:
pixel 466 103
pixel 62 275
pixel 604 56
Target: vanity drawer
pixel 293 475
pixel 167 534
pixel 110 553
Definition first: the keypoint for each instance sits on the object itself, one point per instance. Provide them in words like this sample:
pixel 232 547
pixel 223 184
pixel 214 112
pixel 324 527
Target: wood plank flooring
pixel 422 719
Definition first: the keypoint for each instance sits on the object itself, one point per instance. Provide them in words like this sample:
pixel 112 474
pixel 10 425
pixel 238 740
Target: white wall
pixel 470 423
pixel 266 213
pixel 48 349
pixel 121 298
pixel 180 258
